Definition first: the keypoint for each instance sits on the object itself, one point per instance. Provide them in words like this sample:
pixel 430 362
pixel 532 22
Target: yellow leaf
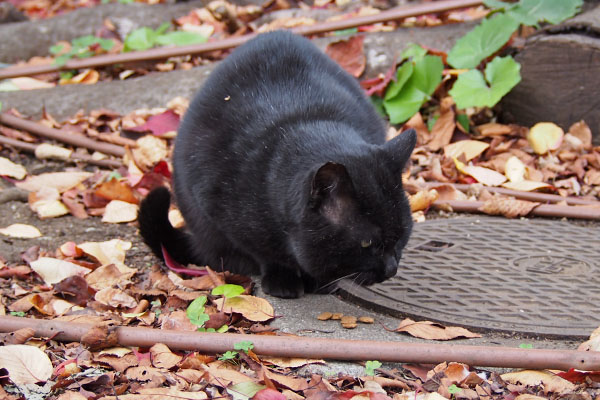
pixel 251 307
pixel 422 199
pixel 514 169
pixel 109 252
pixel 550 382
pixel 9 168
pixel 545 136
pixel 21 231
pixel 470 148
pixel 483 175
pixel 525 186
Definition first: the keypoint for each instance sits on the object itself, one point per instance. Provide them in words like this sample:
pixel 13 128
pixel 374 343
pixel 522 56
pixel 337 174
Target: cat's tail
pixel 157 231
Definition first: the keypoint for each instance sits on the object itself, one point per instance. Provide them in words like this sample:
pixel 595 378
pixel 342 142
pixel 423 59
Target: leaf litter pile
pixel 462 155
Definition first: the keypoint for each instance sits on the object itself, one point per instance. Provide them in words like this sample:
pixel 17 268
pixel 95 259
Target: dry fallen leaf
pixel 290 362
pixel 582 132
pixel 115 298
pixel 46 203
pixel 551 382
pixel 21 231
pixel 507 207
pixel 470 148
pixel 163 357
pixel 109 252
pixel 47 150
pixel 62 181
pixel 545 136
pixel 118 211
pixel 53 270
pixel 514 169
pixel 349 54
pixel 149 151
pixel 525 186
pixel 9 168
pixel 443 129
pixel 431 330
pixel 253 308
pixel 483 175
pixel 422 199
pixel 25 364
pixel 86 77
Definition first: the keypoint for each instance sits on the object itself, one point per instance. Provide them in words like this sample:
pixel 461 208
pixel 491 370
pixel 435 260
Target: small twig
pixel 61 136
pixel 393 14
pixel 74 157
pixel 543 210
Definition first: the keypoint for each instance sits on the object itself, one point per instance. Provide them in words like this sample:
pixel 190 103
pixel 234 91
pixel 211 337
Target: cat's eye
pixel 366 243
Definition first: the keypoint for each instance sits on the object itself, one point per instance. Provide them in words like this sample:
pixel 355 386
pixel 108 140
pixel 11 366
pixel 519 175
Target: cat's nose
pixel 391 267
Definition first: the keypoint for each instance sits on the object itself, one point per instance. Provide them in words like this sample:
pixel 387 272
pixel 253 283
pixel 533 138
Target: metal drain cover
pixel 539 277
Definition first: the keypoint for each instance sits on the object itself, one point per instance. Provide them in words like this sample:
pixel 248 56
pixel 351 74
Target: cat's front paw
pixel 286 285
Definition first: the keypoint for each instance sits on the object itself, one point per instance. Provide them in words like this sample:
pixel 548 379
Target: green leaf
pixel 163 28
pixel 126 1
pixel 371 366
pixel 17 313
pixel 413 51
pixel 140 39
pixel 180 38
pixel 228 355
pixel 402 75
pixel 106 44
pixel 483 41
pixel 378 104
pixel 453 389
pixel 472 90
pixel 85 54
pixel 425 77
pixel 66 75
pixel 497 5
pixel 57 48
pixel 0 106
pixel 195 311
pixel 463 120
pixel 84 41
pixel 228 290
pixel 245 346
pixel 427 74
pixel 223 329
pixel 244 390
pixel 405 105
pixel 431 122
pixel 530 12
pixel 349 31
pixel 62 60
pixel 526 346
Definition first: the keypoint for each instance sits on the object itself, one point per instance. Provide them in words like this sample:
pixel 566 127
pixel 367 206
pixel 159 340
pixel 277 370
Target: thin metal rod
pixel 166 52
pixel 61 136
pixel 333 349
pixel 543 210
pixel 530 196
pixel 30 147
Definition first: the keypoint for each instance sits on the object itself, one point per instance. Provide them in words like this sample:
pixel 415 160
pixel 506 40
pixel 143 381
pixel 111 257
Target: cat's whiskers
pixel 351 276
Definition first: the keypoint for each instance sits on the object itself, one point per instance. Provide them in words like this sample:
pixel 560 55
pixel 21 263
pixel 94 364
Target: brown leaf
pixel 162 357
pixel 116 190
pixel 100 337
pixel 550 381
pixel 416 122
pixel 19 336
pixel 25 364
pixel 431 330
pixel 507 207
pixel 349 54
pixel 494 129
pixel 422 199
pixel 251 307
pixel 290 382
pixel 582 132
pixel 442 130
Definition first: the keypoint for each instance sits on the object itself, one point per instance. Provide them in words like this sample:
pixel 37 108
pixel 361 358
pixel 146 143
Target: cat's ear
pixel 331 191
pixel 400 148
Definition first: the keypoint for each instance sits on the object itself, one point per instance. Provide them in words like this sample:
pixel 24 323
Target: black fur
pixel 281 166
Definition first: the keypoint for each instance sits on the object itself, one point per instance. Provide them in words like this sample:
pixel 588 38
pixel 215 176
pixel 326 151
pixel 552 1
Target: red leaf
pixel 377 85
pixel 268 394
pixel 349 54
pixel 159 124
pixel 577 377
pixel 162 168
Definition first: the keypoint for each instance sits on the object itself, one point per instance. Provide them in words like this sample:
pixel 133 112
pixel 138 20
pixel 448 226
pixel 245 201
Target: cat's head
pixel 357 220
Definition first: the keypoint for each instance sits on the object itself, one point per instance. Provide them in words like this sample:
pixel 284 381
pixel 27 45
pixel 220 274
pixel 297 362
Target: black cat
pixel 280 165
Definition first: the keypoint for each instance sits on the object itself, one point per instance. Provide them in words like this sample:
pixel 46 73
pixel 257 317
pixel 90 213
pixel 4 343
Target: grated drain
pixel 534 277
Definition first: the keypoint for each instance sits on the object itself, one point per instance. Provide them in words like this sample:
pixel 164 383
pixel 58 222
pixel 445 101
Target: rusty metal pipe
pixel 166 52
pixel 30 147
pixel 543 210
pixel 69 138
pixel 333 349
pixel 530 196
